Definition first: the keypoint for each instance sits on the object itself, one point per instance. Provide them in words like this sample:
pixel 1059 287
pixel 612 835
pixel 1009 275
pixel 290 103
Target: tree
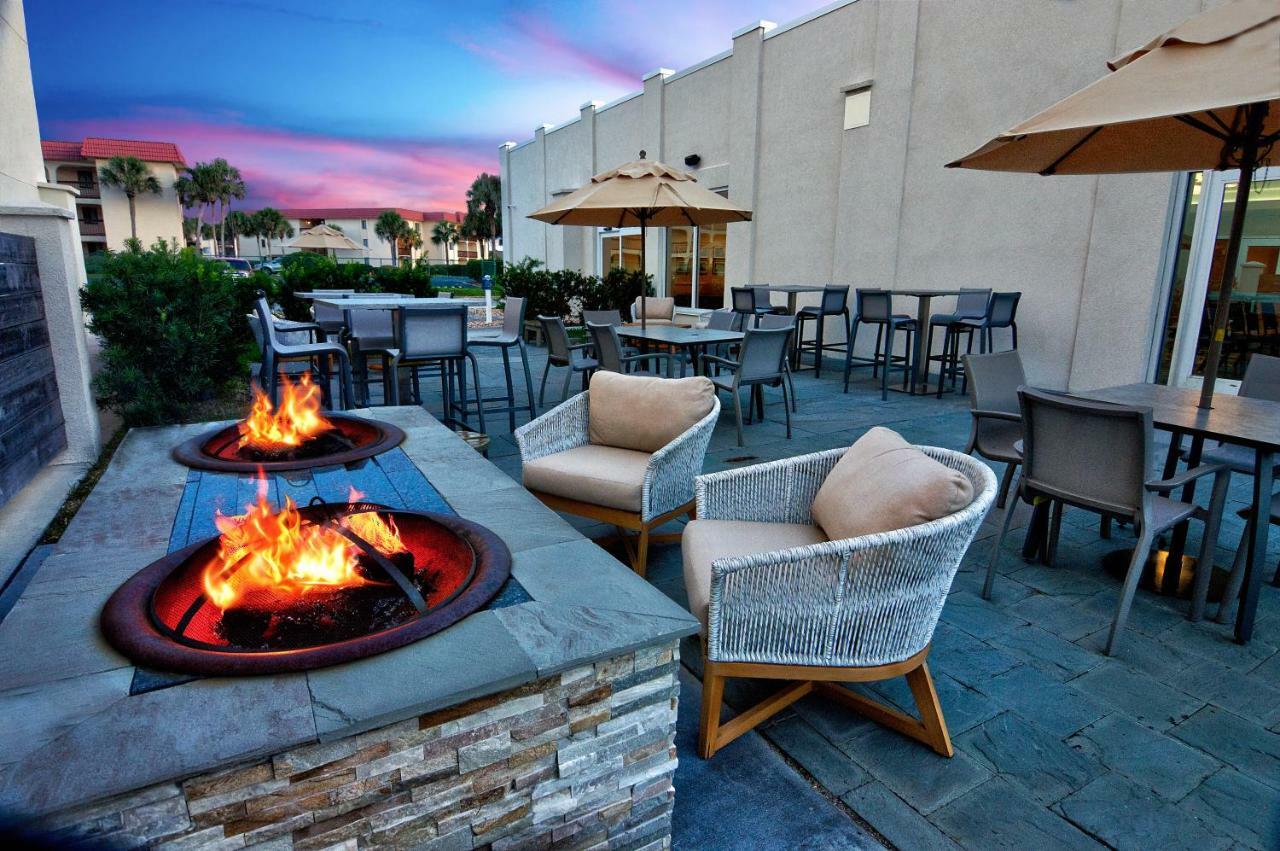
pixel 131 176
pixel 270 224
pixel 227 184
pixel 444 234
pixel 240 223
pixel 412 240
pixel 483 221
pixel 391 227
pixel 197 188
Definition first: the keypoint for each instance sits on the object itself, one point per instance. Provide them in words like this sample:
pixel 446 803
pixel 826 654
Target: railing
pixel 88 189
pixel 92 228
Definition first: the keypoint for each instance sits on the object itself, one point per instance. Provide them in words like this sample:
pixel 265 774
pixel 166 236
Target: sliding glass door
pixel 695 266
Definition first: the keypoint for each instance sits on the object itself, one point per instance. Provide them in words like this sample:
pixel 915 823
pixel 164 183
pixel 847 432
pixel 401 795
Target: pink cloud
pixel 286 168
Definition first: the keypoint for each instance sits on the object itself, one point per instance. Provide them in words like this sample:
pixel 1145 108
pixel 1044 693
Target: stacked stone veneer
pixel 583 759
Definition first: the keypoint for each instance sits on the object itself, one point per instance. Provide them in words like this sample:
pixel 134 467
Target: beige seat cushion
pixel 884 483
pixel 705 541
pixel 645 413
pixel 655 308
pixel 599 475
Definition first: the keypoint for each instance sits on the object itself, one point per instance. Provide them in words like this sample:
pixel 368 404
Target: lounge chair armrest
pixel 774 492
pixel 562 428
pixel 669 478
pixel 1185 477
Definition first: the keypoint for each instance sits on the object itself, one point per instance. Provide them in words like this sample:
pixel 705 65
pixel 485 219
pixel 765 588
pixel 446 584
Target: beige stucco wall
pixel 159 216
pixel 873 206
pixel 21 165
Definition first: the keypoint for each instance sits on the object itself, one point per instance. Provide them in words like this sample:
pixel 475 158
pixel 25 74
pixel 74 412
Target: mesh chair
pixel 277 351
pixel 970 304
pixel 1096 456
pixel 437 336
pixel 1261 381
pixel 835 302
pixel 291 368
pixel 996 411
pixel 875 307
pixel 781 320
pixel 1002 312
pixel 560 352
pixel 610 355
pixel 513 314
pixel 371 333
pixel 331 319
pixel 602 317
pixel 762 362
pixel 752 303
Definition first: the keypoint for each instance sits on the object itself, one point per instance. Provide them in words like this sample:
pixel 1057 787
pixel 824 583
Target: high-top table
pixel 919 356
pixel 1252 423
pixel 693 340
pixel 790 290
pixel 380 302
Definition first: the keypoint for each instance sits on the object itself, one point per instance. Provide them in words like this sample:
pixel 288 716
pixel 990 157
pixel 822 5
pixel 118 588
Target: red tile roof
pixel 367 213
pixel 94 148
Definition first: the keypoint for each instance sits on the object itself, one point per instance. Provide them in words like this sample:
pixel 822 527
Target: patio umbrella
pixel 324 238
pixel 1205 95
pixel 640 194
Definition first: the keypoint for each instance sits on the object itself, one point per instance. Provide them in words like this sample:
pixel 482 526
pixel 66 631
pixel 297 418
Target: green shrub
pixel 306 272
pixel 173 333
pixel 566 292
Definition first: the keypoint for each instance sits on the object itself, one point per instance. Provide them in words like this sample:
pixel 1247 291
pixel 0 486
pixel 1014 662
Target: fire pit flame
pixel 266 550
pixel 297 419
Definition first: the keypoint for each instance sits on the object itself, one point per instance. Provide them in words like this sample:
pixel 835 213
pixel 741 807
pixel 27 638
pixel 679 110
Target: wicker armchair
pixel 665 476
pixel 855 610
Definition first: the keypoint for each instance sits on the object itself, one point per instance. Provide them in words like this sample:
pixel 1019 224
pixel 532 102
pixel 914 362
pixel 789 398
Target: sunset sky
pixel 395 103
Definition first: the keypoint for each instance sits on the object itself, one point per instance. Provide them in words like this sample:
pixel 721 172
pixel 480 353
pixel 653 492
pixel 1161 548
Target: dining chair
pixel 436 335
pixel 996 412
pixel 560 352
pixel 761 362
pixel 513 316
pixel 611 357
pixel 835 302
pixel 1097 456
pixel 782 320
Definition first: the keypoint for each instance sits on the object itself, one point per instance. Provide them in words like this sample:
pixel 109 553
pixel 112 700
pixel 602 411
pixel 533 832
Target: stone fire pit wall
pixel 586 756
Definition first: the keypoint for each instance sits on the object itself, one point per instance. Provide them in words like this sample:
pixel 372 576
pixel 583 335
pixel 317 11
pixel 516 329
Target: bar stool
pixel 1002 312
pixel 875 307
pixel 971 304
pixel 371 333
pixel 746 302
pixel 513 313
pixel 437 336
pixel 331 319
pixel 835 302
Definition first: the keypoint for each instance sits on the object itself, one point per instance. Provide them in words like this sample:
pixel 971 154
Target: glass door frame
pixel 609 233
pixel 1204 237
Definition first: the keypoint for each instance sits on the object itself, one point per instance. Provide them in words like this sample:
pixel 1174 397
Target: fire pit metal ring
pixel 212 450
pixel 131 625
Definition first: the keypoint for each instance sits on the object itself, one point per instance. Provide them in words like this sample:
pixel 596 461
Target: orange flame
pixel 267 550
pixel 297 420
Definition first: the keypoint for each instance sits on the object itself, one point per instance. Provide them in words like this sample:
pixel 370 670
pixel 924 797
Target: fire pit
pixel 304 588
pixel 295 435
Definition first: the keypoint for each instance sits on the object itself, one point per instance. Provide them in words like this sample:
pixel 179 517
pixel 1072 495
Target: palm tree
pixel 391 227
pixel 131 176
pixel 239 223
pixel 484 210
pixel 226 185
pixel 270 224
pixel 412 240
pixel 444 234
pixel 197 187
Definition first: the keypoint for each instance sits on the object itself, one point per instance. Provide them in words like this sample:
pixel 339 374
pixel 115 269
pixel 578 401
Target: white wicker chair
pixel 856 610
pixel 667 491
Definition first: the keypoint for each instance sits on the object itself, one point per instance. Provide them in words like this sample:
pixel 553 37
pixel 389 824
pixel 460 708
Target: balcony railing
pixel 92 228
pixel 88 189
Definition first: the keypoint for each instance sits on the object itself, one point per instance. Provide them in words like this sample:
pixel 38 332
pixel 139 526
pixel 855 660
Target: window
pixel 364 225
pixel 90 215
pixel 857 106
pixel 365 241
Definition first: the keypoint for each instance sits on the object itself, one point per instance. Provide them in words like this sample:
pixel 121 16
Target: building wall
pixel 378 252
pixel 159 216
pixel 873 206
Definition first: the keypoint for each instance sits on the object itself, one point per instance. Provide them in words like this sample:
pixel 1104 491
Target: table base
pixel 1153 578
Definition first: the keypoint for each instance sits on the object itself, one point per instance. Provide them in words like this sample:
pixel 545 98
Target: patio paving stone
pixel 912 771
pixel 1234 741
pixel 1163 764
pixel 999 815
pixel 1048 653
pixel 1143 697
pixel 894 819
pixel 1057 708
pixel 1240 806
pixel 1038 762
pixel 815 754
pixel 1128 816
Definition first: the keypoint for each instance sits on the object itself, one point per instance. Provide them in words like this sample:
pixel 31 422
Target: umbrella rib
pixel 1053 166
pixel 1205 128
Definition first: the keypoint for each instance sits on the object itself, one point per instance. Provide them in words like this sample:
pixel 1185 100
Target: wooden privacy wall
pixel 31 429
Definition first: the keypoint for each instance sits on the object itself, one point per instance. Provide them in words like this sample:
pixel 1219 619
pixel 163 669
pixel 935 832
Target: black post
pixel 1248 161
pixel 644 286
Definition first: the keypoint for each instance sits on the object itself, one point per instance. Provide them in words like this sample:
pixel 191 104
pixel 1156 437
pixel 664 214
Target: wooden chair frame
pixel 637 545
pixel 930 728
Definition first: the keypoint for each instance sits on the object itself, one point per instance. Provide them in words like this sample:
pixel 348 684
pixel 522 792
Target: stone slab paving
pixel 1174 742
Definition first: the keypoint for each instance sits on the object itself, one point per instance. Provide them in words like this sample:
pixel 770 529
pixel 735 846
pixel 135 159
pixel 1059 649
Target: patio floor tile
pixel 896 820
pixel 1234 741
pixel 1126 816
pixel 1141 696
pixel 1161 763
pixel 1036 761
pixel 915 773
pixel 1239 806
pixel 1057 708
pixel 999 815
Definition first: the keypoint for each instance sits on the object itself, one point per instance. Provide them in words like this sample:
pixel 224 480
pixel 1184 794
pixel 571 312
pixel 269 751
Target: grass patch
pixel 53 532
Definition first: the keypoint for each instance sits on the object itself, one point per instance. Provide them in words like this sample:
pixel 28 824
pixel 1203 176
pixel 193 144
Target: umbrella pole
pixel 644 285
pixel 1248 160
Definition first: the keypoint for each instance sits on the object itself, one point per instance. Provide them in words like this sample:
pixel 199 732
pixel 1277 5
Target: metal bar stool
pixel 835 302
pixel 875 307
pixel 513 314
pixel 971 304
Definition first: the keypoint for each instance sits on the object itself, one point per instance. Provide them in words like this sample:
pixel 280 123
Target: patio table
pixel 377 302
pixel 919 357
pixel 790 290
pixel 694 340
pixel 1243 421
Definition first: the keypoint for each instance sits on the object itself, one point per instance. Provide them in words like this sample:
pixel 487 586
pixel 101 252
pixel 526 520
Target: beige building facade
pixel 358 223
pixel 834 129
pixel 103 211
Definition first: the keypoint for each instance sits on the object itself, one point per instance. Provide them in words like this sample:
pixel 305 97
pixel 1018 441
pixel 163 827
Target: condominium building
pixel 358 224
pixel 834 130
pixel 103 211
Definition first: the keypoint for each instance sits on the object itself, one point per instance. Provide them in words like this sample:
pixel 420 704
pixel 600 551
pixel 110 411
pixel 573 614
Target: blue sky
pixel 322 103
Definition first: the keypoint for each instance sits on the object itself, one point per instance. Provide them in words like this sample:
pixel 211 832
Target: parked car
pixel 240 267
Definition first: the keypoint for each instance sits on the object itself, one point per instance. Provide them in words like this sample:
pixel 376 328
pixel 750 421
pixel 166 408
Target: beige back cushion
pixel 644 413
pixel 884 483
pixel 656 308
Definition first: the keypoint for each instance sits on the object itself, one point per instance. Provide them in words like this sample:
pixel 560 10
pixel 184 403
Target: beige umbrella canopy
pixel 640 194
pixel 1205 95
pixel 324 238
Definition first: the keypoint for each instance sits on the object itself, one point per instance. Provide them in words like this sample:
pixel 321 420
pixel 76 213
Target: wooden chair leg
pixel 712 698
pixel 641 563
pixel 935 726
